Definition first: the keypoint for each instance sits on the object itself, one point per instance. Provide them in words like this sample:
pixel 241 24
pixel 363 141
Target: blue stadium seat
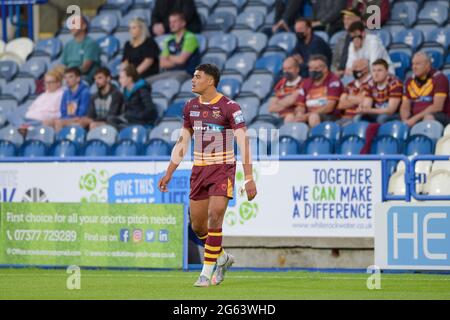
pixel 297 130
pixel 262 125
pixel 323 35
pixel 429 128
pixel 285 41
pixel 229 87
pixel 258 85
pixel 384 36
pixel 166 87
pixel 327 129
pixel 157 147
pixel 250 20
pixel 41 133
pixel 12 135
pixel 385 145
pixel 126 148
pixel 161 104
pixel 251 41
pixel 419 144
pixel 36 66
pixel 402 63
pixel 437 13
pixel 123 37
pixel 249 107
pixel 355 128
pixel 167 130
pixel 439 35
pixel 52 47
pixel 241 62
pixel 7 149
pixel 436 55
pixel 394 28
pixel 107 22
pixel 135 133
pixel 226 43
pixel 396 129
pixel 207 3
pixel 105 133
pixel 7 105
pixel 8 69
pixel 33 148
pixel 143 14
pixel 175 110
pixel 122 5
pixel 114 66
pixel 412 38
pixel 405 13
pixel 351 145
pixel 96 35
pixel 336 37
pixel 73 133
pixel 318 145
pixel 220 21
pixel 96 148
pixel 288 146
pixel 64 148
pixel 110 46
pixel 215 58
pixel 270 64
pixel 202 43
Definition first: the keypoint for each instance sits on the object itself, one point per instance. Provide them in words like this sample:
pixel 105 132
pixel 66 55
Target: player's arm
pixel 178 153
pixel 243 143
pixel 392 107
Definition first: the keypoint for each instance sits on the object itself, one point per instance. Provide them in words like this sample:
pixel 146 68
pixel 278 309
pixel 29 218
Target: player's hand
pixel 163 182
pixel 250 189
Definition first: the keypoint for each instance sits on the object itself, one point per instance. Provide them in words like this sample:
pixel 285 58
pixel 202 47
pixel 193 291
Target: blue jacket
pixel 75 104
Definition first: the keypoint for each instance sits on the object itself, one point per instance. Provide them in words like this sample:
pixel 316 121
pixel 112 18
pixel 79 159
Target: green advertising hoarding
pixel 93 234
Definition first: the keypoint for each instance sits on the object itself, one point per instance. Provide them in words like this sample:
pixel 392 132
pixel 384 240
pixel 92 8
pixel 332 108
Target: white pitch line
pixel 230 275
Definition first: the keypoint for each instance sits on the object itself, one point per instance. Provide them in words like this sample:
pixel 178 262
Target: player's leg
pixel 199 218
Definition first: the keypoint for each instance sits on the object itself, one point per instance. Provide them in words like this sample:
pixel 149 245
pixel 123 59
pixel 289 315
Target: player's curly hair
pixel 212 70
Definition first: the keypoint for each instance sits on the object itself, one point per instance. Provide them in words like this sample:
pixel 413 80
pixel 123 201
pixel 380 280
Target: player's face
pixel 379 73
pixel 201 82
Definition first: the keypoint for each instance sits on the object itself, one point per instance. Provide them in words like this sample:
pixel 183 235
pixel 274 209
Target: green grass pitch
pixel 238 285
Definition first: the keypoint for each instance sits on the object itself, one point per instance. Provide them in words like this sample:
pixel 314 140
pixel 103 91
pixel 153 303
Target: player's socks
pixel 203 238
pixel 213 248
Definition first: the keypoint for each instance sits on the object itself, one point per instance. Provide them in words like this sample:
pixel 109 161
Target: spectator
pixel 308 43
pixel 340 51
pixel 286 91
pixel 327 15
pixel 138 105
pixel 82 51
pixel 383 95
pixel 354 92
pixel 47 105
pixel 363 5
pixel 366 46
pixel 319 94
pixel 181 51
pixel 286 12
pixel 105 104
pixel 75 100
pixel 426 94
pixel 163 9
pixel 142 50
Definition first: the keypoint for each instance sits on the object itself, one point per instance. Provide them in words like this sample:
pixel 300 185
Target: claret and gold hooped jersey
pixel 213 124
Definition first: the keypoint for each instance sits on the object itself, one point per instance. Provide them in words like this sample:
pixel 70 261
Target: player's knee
pixel 215 218
pixel 200 229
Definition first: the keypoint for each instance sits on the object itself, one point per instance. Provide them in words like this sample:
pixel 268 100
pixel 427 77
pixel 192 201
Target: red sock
pixel 213 246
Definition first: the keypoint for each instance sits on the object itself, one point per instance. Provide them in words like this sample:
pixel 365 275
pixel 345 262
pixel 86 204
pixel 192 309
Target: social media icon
pixel 163 236
pixel 137 235
pixel 149 236
pixel 124 235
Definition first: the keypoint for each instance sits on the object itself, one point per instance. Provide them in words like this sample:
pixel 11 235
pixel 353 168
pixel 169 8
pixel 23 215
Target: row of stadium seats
pixel 427 137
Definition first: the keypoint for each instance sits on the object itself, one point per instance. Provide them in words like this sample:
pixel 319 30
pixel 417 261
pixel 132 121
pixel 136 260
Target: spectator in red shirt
pixel 383 95
pixel 426 93
pixel 354 92
pixel 286 91
pixel 319 94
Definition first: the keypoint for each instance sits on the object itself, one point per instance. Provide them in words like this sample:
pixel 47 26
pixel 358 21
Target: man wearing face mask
pixel 365 46
pixel 308 44
pixel 286 91
pixel 383 95
pixel 319 94
pixel 354 92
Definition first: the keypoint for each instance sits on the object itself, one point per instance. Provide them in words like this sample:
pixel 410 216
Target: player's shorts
pixel 212 180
